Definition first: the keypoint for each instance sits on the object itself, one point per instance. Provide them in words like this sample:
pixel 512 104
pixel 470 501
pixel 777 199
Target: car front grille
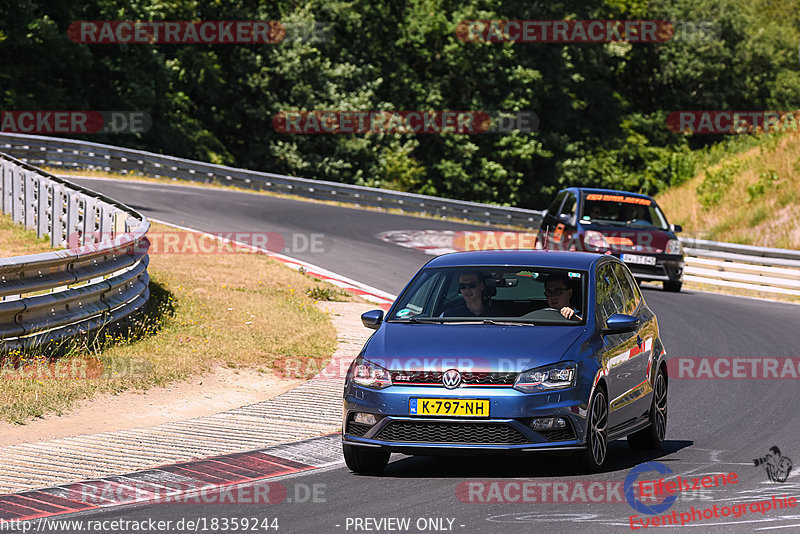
pixel 468 379
pixel 357 429
pixel 447 432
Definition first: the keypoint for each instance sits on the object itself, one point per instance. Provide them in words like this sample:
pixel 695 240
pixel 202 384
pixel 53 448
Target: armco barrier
pixel 710 262
pixel 769 270
pixel 72 154
pixel 100 279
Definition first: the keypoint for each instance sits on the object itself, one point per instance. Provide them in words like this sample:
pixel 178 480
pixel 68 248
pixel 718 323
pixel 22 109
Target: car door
pixel 641 357
pixel 619 350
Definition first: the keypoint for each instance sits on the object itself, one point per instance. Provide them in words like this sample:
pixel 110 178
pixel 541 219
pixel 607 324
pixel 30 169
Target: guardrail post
pixel 31 206
pixel 74 230
pixel 4 190
pixel 44 213
pixel 106 221
pixel 16 201
pixel 57 212
pixel 120 219
pixel 89 221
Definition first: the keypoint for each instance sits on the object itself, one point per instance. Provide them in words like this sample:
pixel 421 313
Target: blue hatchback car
pixel 514 351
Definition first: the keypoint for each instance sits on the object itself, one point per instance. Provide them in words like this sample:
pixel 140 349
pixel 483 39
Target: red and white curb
pixel 237 478
pixel 369 293
pixel 433 242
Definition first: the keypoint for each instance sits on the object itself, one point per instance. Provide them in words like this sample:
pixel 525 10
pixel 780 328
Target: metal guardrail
pixel 72 154
pixel 711 262
pixel 100 279
pixel 769 270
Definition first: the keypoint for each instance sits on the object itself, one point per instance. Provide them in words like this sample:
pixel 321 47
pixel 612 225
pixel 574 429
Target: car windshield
pixel 622 210
pixel 494 295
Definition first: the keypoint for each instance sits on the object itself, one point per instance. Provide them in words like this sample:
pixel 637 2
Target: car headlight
pixel 674 247
pixel 370 375
pixel 558 376
pixel 595 239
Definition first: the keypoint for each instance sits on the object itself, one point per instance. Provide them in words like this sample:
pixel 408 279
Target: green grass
pixel 192 323
pixel 750 198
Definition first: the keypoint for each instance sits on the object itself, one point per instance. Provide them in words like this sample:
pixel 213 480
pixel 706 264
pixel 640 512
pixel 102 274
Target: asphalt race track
pixel 715 425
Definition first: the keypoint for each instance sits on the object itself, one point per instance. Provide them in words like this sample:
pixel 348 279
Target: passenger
pixel 476 304
pixel 558 290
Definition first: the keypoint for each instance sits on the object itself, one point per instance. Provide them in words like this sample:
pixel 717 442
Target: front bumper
pixel 666 269
pixel 506 429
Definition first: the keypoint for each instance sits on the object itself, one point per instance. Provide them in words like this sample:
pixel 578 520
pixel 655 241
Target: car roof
pixel 609 191
pixel 533 258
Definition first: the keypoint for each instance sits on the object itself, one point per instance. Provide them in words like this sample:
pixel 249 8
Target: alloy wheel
pixel 660 420
pixel 598 427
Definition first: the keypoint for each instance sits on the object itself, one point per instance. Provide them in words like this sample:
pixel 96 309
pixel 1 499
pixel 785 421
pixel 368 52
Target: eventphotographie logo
pixel 776 465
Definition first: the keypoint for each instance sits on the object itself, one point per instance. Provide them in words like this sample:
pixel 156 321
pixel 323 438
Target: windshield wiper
pixel 507 321
pixel 458 320
pixel 420 320
pixel 494 321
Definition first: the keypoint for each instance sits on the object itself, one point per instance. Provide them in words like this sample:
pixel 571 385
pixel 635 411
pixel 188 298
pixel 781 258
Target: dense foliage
pixel 602 107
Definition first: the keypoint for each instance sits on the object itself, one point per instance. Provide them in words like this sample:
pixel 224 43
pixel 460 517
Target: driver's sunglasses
pixel 555 292
pixel 465 285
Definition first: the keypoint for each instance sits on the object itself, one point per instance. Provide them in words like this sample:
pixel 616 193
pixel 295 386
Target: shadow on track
pixel 542 465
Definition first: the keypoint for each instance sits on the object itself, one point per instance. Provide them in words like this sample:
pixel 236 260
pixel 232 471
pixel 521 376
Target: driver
pixel 595 212
pixel 470 285
pixel 633 213
pixel 558 290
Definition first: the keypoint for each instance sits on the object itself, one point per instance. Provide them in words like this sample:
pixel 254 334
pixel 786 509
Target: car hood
pixel 477 348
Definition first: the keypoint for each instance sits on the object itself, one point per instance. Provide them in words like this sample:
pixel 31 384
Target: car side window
pixel 420 299
pixel 570 206
pixel 629 300
pixel 555 206
pixel 609 294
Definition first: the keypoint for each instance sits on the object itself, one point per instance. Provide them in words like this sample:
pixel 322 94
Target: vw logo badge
pixel 451 379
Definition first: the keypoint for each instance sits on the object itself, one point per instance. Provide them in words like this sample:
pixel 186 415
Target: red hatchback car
pixel 630 226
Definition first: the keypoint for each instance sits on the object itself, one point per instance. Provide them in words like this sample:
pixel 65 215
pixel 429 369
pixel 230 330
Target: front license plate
pixel 455 407
pixel 636 258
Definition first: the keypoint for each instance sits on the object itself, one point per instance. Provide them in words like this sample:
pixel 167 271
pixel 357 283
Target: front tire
pixel 364 460
pixel 594 456
pixel 652 437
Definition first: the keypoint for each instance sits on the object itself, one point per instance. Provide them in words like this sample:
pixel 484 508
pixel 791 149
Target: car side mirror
pixel 620 323
pixel 372 319
pixel 676 228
